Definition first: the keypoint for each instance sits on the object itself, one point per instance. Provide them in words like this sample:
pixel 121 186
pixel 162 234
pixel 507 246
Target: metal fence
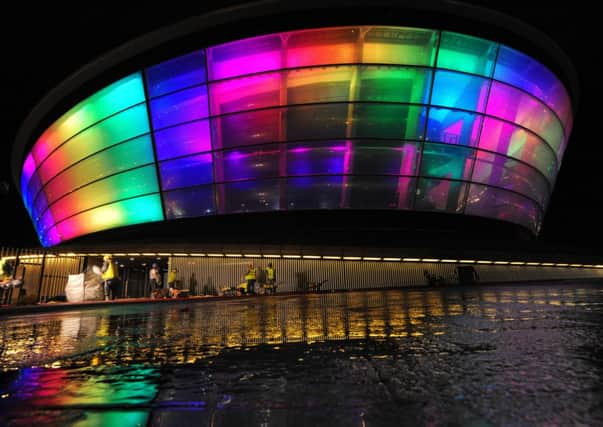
pixel 42 275
pixel 207 275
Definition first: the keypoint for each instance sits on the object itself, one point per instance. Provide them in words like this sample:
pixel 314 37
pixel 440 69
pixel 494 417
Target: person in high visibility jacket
pixel 251 277
pixel 108 276
pixel 270 278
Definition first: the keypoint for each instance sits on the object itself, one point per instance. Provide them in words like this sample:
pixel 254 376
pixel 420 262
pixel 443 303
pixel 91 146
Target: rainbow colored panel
pixel 356 117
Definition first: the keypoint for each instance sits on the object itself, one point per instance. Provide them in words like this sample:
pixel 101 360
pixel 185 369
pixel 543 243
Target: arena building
pixel 271 114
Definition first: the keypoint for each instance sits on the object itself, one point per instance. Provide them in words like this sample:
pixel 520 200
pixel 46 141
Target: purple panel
pixel 494 203
pixel 245 93
pixel 515 106
pixel 316 158
pixel 510 140
pixel 507 173
pixel 260 162
pixel 520 70
pixel 181 140
pixel 247 56
pixel 189 202
pixel 440 195
pixel 179 107
pixel 186 171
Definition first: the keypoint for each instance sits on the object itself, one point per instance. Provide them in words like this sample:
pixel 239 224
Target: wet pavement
pixel 519 355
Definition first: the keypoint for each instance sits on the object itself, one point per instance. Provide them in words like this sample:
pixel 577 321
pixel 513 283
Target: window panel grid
pixel 435 95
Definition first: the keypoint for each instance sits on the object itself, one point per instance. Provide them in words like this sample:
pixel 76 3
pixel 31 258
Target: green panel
pixel 394 84
pixel 388 121
pixel 467 54
pixel 125 125
pixel 121 186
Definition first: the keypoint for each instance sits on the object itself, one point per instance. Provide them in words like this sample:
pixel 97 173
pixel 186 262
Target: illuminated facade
pixel 354 117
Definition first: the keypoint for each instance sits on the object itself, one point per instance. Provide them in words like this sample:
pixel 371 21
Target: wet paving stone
pixel 495 355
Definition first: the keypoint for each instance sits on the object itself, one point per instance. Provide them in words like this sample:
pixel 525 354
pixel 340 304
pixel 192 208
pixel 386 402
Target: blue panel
pixel 453 127
pixel 179 107
pixel 458 90
pixel 520 70
pixel 189 202
pixel 181 140
pixel 186 171
pixel 318 158
pixel 261 162
pixel 177 73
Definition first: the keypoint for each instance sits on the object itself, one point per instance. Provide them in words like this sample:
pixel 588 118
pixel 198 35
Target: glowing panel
pixel 458 90
pixel 518 69
pixel 395 45
pixel 179 107
pixel 118 128
pixel 177 141
pixel 510 104
pixel 119 158
pixel 467 54
pixel 394 84
pixel 244 57
pixel 127 212
pixel 249 163
pixel 175 74
pixel 453 126
pixel 110 100
pixel 513 141
pixel 500 204
pixel 245 93
pixel 125 185
pixel 503 172
pixel 189 202
pixel 186 171
pixel 440 195
pixel 316 158
pixel 446 161
pixel 322 47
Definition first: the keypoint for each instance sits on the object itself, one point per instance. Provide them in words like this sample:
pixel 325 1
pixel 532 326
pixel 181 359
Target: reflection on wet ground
pixel 514 355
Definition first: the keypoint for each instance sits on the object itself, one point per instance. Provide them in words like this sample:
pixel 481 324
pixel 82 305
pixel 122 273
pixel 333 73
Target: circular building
pixel 266 109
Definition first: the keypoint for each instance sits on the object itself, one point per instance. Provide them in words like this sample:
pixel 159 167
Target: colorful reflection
pixel 263 123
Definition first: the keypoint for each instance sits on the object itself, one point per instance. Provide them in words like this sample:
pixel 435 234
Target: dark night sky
pixel 40 51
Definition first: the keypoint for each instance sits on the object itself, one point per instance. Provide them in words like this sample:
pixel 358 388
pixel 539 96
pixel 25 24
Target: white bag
pixel 74 290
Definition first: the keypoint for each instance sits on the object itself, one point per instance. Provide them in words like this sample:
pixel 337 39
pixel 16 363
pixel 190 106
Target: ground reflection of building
pixel 185 333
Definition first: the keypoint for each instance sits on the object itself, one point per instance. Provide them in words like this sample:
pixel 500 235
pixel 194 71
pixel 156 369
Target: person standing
pixel 270 278
pixel 155 280
pixel 250 277
pixel 108 276
pixel 172 281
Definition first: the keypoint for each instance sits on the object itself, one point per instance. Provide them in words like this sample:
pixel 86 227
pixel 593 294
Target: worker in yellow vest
pixel 250 277
pixel 108 276
pixel 270 279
